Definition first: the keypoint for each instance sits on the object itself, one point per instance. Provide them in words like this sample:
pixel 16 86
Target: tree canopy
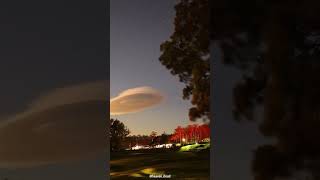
pixel 118 132
pixel 186 55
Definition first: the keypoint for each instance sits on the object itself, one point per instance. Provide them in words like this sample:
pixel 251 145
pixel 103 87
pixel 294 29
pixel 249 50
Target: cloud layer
pixel 135 100
pixel 65 124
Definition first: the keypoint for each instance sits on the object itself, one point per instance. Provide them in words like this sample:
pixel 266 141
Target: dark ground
pixel 139 164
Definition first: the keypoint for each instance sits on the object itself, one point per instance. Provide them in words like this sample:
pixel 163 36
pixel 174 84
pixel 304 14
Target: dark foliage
pixel 118 132
pixel 186 55
pixel 276 46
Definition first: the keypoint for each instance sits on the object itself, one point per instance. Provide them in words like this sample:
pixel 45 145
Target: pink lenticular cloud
pixel 135 100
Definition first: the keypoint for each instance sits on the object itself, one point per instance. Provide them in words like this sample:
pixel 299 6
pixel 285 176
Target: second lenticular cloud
pixel 135 100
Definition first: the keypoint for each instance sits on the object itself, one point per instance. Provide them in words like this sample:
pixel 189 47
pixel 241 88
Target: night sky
pixel 137 29
pixel 53 64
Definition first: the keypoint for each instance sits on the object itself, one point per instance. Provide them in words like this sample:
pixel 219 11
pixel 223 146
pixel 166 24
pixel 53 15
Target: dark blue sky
pixel 137 29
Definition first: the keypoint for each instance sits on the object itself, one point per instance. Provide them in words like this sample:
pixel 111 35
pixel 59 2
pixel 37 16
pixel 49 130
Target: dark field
pixel 180 165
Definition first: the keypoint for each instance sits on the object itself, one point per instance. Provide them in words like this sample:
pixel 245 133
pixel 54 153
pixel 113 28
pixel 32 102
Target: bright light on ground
pixel 147 171
pixel 195 147
pixel 137 147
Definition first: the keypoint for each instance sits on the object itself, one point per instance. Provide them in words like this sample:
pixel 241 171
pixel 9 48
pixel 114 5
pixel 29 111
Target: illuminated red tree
pixel 178 134
pixel 192 133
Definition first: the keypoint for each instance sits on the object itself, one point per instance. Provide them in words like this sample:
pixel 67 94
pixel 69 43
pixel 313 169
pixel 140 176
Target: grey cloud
pixel 64 125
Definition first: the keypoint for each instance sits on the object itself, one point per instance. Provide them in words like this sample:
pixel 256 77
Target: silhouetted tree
pixel 186 54
pixel 276 46
pixel 118 132
pixel 164 138
pixel 153 137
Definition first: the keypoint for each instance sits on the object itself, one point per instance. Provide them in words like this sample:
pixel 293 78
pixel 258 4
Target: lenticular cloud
pixel 135 100
pixel 66 124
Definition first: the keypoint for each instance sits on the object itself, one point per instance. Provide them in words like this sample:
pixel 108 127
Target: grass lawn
pixel 195 147
pixel 178 164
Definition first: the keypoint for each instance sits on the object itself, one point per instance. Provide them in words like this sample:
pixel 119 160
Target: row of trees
pixel 120 139
pixel 145 140
pixel 191 134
